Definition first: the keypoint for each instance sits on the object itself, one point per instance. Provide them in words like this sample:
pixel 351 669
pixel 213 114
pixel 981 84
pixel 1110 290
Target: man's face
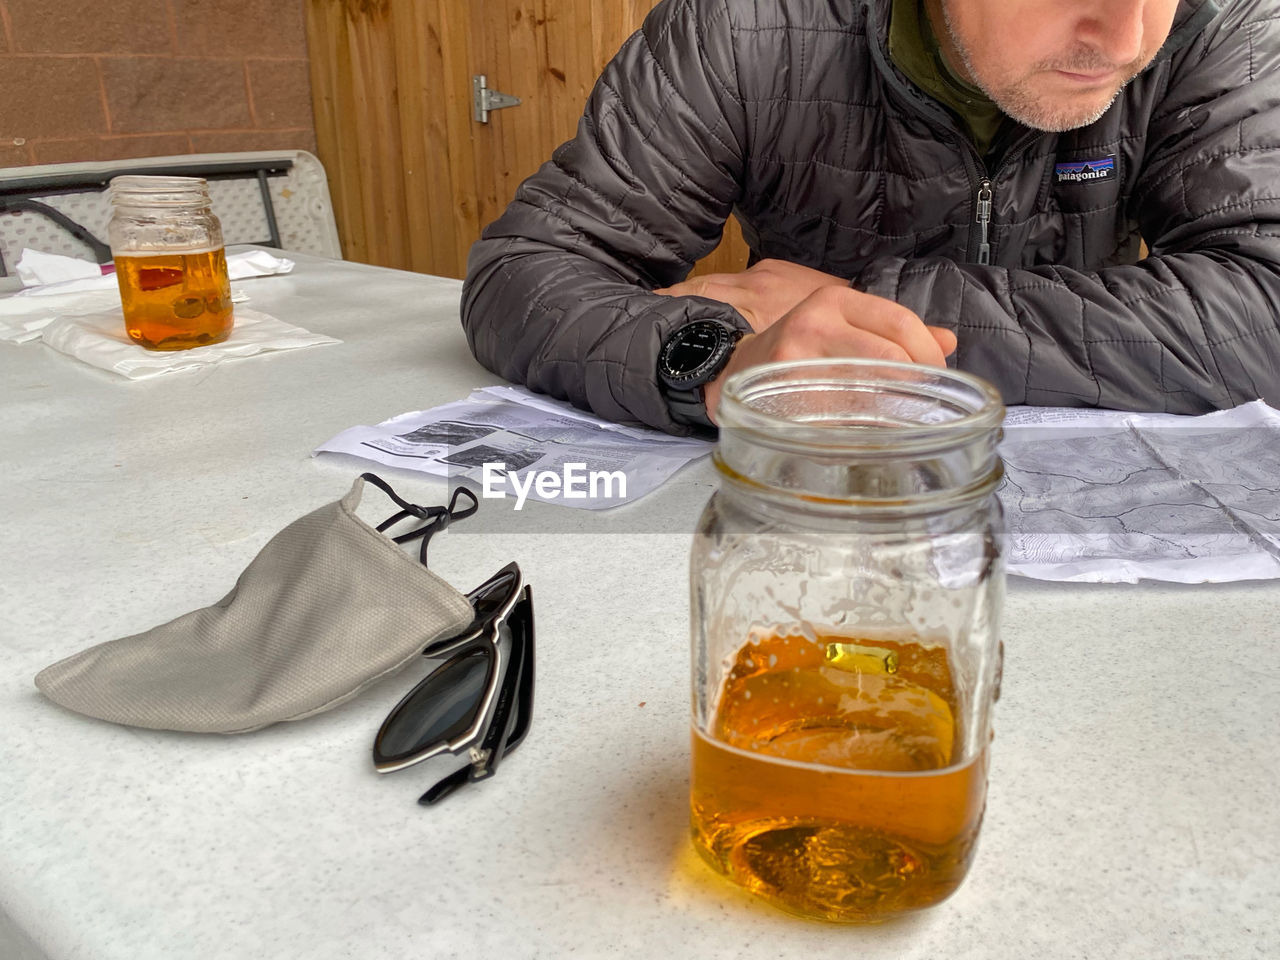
pixel 1051 64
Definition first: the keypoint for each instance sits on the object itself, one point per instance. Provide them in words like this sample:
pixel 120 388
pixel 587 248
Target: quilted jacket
pixel 789 115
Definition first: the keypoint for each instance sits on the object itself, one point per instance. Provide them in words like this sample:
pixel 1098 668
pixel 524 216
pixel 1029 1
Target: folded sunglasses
pixel 474 708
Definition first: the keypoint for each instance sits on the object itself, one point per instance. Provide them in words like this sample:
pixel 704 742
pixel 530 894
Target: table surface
pixel 1134 773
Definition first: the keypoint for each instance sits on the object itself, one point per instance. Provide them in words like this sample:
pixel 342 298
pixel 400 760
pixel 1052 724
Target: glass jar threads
pixel 170 262
pixel 847 579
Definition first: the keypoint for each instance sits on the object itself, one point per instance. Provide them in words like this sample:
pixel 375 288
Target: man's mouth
pixel 1094 78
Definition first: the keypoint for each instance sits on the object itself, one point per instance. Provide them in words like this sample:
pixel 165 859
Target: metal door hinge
pixel 483 99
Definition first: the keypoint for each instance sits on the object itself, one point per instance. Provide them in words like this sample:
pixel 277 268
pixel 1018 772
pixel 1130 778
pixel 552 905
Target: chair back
pixel 275 198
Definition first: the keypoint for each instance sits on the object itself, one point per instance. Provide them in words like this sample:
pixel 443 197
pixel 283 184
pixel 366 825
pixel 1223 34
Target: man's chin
pixel 1055 113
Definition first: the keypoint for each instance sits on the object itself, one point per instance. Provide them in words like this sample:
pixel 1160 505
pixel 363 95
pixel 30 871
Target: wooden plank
pixel 521 129
pixel 357 133
pixel 331 96
pixel 459 127
pixel 381 145
pixel 581 70
pixel 427 191
pixel 515 72
pixel 555 45
pixel 487 140
pixel 616 22
pixel 412 79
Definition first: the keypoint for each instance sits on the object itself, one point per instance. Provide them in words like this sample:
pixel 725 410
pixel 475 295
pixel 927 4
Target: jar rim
pixel 968 404
pixel 137 190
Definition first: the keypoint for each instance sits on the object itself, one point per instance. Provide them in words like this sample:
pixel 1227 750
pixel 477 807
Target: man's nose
pixel 1114 29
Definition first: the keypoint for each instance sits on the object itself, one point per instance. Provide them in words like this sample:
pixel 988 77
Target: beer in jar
pixel 170 263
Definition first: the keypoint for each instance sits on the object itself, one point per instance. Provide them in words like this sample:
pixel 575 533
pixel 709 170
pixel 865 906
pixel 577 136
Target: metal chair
pixel 274 198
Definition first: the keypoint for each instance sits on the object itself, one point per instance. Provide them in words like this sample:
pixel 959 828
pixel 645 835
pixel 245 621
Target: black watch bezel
pixel 681 377
pixel 681 383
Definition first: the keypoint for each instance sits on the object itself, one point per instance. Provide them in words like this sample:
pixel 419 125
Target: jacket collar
pixel 1190 19
pixel 876 23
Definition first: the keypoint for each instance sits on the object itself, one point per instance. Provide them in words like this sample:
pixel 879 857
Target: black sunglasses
pixel 473 709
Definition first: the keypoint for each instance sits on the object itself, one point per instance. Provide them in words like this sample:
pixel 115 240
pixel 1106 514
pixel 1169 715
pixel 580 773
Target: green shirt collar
pixel 914 50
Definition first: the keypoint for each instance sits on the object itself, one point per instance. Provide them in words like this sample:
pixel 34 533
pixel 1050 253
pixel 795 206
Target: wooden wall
pixel 413 177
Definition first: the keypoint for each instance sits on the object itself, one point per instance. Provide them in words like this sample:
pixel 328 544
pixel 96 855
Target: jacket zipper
pixel 984 221
pixel 983 199
pixel 974 164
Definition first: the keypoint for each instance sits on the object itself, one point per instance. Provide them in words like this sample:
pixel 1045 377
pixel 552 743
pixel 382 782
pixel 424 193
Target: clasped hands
pixel 798 313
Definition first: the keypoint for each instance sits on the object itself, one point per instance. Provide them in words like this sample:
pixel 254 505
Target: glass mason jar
pixel 847 578
pixel 170 262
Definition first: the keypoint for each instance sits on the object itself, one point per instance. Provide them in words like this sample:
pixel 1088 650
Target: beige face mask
pixel 328 606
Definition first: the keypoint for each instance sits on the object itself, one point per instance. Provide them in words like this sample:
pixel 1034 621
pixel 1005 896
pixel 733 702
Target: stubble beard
pixel 1019 98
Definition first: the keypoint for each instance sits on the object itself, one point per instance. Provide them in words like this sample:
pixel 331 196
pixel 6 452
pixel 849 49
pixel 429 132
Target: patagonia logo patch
pixel 1085 171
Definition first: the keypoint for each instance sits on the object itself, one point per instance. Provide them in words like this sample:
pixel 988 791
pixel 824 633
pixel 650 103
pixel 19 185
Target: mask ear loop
pixel 437 518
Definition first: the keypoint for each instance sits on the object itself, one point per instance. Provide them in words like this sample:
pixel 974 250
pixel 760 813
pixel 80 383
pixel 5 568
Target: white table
pixel 1134 773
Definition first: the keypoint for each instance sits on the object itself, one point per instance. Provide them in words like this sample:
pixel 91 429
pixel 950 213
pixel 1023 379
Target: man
pixel 917 179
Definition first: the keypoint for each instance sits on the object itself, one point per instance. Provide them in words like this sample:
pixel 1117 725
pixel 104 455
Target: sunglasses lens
pixel 440 708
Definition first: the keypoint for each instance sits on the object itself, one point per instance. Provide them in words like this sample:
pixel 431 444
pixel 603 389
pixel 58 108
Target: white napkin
pixel 256 263
pixel 27 312
pixel 99 339
pixel 22 320
pixel 37 267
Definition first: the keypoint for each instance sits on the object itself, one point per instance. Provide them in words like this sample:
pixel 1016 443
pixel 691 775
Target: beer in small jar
pixel 170 262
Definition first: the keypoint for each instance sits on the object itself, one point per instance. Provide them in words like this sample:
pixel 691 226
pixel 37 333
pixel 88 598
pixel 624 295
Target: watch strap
pixel 688 406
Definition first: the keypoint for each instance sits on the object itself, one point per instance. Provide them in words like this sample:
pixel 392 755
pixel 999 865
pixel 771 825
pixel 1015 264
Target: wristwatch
pixel 691 357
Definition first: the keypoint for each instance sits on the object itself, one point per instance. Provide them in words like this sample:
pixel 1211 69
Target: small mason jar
pixel 847 579
pixel 170 262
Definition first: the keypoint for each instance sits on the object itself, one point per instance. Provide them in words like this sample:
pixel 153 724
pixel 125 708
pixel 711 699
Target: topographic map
pixel 1103 496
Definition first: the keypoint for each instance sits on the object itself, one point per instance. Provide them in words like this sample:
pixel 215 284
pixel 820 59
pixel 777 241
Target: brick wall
pixel 94 80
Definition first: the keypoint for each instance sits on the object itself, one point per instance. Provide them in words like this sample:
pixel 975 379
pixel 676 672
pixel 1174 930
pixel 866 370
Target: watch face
pixel 694 348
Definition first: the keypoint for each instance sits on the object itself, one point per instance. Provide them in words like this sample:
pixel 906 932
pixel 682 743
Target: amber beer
pixel 832 780
pixel 175 301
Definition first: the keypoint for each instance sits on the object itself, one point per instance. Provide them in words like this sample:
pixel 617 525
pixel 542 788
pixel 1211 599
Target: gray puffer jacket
pixel 790 115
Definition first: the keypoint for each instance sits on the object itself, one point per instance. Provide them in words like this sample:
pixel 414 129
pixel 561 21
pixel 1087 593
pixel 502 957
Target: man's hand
pixel 838 321
pixel 762 294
